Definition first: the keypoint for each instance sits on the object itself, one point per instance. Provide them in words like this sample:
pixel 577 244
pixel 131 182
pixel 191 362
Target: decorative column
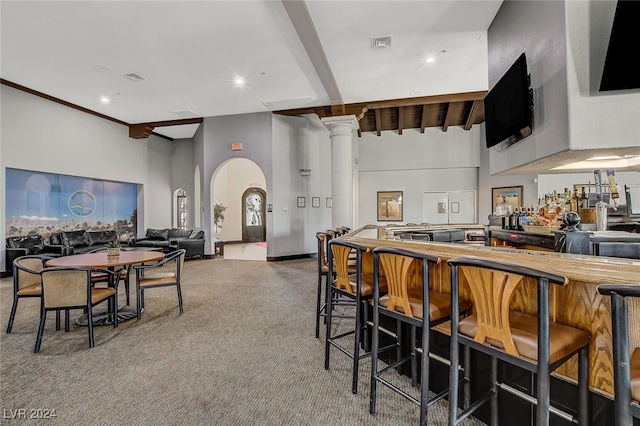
pixel 341 129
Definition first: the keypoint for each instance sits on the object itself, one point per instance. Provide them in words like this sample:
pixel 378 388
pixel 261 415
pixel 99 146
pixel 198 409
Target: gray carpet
pixel 243 353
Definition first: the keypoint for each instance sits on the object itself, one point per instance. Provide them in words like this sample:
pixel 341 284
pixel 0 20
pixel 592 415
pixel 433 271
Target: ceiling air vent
pixel 186 114
pixel 381 42
pixel 133 77
pixel 289 103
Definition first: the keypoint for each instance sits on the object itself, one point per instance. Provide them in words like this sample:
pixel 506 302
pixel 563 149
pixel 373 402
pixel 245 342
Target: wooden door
pixel 253 215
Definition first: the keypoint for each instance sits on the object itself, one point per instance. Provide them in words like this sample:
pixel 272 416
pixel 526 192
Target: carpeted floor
pixel 243 353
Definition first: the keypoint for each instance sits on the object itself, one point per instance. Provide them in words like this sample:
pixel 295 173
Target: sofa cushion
pixel 100 237
pixel 56 239
pixel 157 234
pixel 34 243
pixel 175 233
pixel 197 235
pixel 73 238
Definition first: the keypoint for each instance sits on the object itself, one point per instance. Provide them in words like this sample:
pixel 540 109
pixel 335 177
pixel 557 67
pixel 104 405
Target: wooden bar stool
pixel 348 289
pixel 411 304
pixel 529 341
pixel 626 369
pixel 323 271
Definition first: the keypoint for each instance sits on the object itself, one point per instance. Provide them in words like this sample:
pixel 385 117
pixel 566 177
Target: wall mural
pixel 43 203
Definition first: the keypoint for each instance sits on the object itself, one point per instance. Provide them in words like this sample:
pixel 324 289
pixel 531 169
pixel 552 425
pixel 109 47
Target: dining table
pixel 100 260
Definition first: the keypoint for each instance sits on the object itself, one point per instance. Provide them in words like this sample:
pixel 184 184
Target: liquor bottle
pixel 513 220
pixel 584 199
pixel 574 201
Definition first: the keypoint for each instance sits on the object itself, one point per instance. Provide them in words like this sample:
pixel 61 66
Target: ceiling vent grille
pixel 133 77
pixel 289 103
pixel 186 114
pixel 381 42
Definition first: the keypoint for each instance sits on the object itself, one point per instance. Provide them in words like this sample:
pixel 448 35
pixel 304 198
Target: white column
pixel 342 164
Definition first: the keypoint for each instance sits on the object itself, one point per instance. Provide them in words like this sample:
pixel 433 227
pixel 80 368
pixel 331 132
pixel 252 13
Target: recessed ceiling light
pixel 430 59
pixel 104 100
pixel 102 68
pixel 238 81
pixel 133 77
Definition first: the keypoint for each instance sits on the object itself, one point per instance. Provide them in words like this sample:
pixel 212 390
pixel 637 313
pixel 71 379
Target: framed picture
pixel 390 206
pixel 302 201
pixel 329 202
pixel 315 202
pixel 512 195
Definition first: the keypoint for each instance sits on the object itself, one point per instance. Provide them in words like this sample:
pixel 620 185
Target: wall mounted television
pixel 508 106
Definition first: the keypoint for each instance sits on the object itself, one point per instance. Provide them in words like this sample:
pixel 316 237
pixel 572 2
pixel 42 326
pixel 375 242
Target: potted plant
pixel 113 248
pixel 218 214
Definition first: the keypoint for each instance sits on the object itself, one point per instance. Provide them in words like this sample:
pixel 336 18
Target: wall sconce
pixel 305 172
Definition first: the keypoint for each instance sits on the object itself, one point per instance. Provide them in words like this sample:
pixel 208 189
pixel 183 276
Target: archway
pixel 227 187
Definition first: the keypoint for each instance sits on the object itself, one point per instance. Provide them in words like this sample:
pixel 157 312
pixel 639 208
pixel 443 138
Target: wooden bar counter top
pixel 577 303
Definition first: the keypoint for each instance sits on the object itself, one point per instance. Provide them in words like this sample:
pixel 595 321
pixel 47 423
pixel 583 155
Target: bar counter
pixel 577 303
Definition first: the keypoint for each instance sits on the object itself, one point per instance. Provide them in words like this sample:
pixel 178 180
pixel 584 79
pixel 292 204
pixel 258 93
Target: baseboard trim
pixel 289 257
pixel 5 274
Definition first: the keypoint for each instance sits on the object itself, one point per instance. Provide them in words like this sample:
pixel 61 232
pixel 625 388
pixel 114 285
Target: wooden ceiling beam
pixel 452 116
pixel 378 122
pixel 140 131
pixel 423 122
pixel 471 118
pixel 400 120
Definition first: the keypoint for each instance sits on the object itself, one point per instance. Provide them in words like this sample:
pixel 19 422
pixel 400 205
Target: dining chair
pixel 99 277
pixel 71 288
pixel 27 283
pixel 410 300
pixel 531 342
pixel 353 290
pixel 163 273
pixel 626 369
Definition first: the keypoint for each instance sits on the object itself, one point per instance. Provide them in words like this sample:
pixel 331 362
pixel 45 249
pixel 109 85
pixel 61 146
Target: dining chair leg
pixel 43 317
pixel 57 319
pixel 66 320
pixel 115 310
pixel 138 301
pixel 90 325
pixel 414 360
pixel 12 315
pixel 179 297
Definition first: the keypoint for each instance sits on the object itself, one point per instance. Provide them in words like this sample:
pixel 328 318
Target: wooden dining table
pixel 99 260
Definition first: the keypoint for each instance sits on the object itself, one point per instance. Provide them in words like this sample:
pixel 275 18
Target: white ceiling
pixel 291 56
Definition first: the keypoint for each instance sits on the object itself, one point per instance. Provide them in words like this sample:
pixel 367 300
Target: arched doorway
pixel 253 207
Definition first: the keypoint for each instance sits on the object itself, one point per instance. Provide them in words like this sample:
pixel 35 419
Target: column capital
pixel 342 124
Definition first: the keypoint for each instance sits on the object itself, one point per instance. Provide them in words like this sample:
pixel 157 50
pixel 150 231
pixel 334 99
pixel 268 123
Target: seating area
pixel 405 287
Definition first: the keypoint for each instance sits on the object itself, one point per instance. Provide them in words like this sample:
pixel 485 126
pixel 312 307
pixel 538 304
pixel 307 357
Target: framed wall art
pixel 512 195
pixel 302 201
pixel 390 206
pixel 315 202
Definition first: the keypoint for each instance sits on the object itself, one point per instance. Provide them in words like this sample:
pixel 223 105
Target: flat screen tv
pixel 508 106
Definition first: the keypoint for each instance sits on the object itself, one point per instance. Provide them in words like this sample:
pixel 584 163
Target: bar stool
pixel 626 370
pixel 348 290
pixel 323 271
pixel 529 341
pixel 410 304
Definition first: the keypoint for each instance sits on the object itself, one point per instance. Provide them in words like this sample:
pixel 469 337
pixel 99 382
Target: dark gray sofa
pixel 29 245
pixel 78 242
pixel 170 239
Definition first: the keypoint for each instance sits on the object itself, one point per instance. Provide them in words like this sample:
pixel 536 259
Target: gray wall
pixel 536 28
pixel 415 162
pixel 41 135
